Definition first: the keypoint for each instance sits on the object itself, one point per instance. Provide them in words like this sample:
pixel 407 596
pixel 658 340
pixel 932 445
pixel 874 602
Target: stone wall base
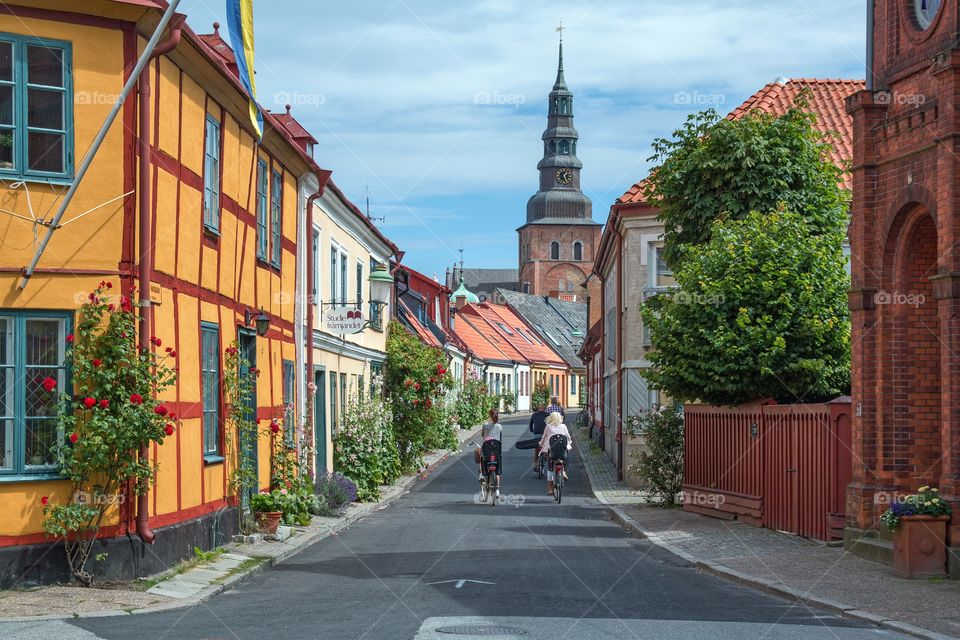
pixel 122 557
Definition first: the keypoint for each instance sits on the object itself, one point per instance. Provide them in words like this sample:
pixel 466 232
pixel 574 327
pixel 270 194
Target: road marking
pixel 459 583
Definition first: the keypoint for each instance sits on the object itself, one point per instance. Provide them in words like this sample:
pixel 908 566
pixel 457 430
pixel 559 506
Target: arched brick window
pixel 578 250
pixel 554 250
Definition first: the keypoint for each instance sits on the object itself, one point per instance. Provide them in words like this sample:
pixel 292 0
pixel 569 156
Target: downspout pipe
pixel 871 77
pixel 311 302
pixel 145 219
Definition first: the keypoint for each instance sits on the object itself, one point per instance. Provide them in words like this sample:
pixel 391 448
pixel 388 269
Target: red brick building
pixel 558 242
pixel 905 296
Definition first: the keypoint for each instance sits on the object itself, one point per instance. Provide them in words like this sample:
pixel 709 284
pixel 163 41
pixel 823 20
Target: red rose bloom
pixel 416 402
pixel 417 386
pixel 160 410
pixel 429 403
pixel 110 308
pixel 173 354
pixel 136 398
pixel 74 437
pixel 172 416
pixel 275 426
pixel 44 500
pixel 96 362
pixel 104 403
pixel 89 402
pixel 168 429
pixel 70 339
pixel 49 383
pixel 109 285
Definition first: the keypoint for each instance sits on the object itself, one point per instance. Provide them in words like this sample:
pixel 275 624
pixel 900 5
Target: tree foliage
pixel 721 169
pixel 659 464
pixel 760 312
pixel 416 383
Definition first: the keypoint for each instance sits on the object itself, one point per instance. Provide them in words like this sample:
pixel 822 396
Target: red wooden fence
pixel 784 467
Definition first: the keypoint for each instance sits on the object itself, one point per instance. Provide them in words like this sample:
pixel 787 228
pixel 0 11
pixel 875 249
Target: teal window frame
pixel 343 392
pixel 376 370
pixel 263 214
pixel 276 218
pixel 20 470
pixel 19 128
pixel 315 291
pixel 289 413
pixel 211 175
pixel 211 391
pixel 359 300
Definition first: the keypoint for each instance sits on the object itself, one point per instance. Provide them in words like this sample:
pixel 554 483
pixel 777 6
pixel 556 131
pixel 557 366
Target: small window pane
pixel 6 340
pixel 41 442
pixel 44 66
pixel 6 104
pixel 46 152
pixel 6 444
pixel 44 108
pixel 44 342
pixel 6 61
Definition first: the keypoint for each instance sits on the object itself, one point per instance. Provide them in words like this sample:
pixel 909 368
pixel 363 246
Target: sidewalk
pixel 176 589
pixel 798 569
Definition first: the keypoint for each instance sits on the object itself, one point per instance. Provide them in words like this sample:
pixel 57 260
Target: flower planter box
pixel 920 547
pixel 268 521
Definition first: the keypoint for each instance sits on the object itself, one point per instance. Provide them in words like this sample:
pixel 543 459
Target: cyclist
pixel 555 427
pixel 555 407
pixel 538 422
pixel 493 430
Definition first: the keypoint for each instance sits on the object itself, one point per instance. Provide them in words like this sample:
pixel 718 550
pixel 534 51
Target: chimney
pixel 461 301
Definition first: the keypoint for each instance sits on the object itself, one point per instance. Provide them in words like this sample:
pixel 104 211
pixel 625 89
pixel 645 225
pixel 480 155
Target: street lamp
pixel 577 336
pixel 381 283
pixel 262 321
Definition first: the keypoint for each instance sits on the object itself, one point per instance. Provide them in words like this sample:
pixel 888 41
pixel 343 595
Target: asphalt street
pixel 436 564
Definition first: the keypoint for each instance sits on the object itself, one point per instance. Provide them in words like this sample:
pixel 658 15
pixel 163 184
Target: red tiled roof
pixel 827 99
pixel 482 339
pixel 531 348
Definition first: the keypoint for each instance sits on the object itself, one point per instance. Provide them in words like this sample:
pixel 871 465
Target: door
pixel 248 447
pixel 320 421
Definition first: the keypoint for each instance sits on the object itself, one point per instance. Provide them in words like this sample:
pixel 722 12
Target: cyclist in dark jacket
pixel 538 422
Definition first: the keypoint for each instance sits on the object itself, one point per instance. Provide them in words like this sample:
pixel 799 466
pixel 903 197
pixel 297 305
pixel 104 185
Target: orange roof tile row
pixel 495 332
pixel 827 100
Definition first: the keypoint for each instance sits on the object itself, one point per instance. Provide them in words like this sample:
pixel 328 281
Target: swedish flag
pixel 240 22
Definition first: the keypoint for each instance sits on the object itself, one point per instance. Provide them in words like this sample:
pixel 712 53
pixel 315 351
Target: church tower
pixel 559 240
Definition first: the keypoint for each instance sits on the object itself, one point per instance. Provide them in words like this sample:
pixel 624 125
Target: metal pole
pixel 98 140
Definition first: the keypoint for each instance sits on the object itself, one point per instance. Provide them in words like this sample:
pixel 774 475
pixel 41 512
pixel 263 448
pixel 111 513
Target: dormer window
pixel 310 149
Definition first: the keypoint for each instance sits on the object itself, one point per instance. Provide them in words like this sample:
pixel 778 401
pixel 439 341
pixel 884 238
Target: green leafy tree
pixel 760 312
pixel 715 168
pixel 473 402
pixel 112 412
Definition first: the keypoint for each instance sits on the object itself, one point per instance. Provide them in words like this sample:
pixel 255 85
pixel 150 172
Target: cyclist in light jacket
pixel 555 427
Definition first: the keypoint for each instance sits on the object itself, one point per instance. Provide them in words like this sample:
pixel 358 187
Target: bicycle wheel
pixel 483 490
pixel 558 484
pixel 541 467
pixel 492 488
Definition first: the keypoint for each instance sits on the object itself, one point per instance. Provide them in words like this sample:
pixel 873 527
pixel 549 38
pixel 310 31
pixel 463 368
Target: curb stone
pixel 403 485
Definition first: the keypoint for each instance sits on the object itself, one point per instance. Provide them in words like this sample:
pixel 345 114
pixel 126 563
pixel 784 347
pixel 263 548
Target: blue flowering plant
pixel 926 502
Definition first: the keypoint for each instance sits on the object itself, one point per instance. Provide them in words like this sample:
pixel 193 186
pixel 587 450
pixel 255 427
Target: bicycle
pixel 489 455
pixel 558 470
pixel 558 463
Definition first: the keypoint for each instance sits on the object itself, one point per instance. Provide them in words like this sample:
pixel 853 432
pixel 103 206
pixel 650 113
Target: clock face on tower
pixel 564 176
pixel 925 11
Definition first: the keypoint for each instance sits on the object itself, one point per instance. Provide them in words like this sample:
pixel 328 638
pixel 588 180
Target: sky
pixel 436 107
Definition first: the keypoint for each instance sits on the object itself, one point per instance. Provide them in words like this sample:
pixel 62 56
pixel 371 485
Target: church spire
pixel 561 83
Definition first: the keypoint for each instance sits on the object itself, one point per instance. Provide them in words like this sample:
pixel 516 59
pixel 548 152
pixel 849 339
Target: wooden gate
pixel 784 467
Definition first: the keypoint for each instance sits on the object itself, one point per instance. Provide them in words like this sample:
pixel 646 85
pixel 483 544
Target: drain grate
pixel 482 630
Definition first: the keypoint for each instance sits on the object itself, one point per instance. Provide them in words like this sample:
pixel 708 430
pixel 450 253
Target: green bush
pixel 416 384
pixel 541 395
pixel 761 311
pixel 473 403
pixel 365 449
pixel 659 464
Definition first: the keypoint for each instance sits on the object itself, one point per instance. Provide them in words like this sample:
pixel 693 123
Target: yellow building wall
pixel 225 268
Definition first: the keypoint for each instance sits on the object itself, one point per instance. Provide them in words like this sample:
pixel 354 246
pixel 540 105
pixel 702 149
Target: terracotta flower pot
pixel 920 547
pixel 268 521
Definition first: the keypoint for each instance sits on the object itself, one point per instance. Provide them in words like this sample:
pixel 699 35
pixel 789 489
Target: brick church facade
pixel 559 241
pixel 905 295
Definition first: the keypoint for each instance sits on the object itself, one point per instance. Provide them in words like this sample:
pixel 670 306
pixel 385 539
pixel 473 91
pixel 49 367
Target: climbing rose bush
pixel 112 412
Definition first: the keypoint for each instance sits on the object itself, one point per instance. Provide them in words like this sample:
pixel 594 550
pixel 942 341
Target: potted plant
pixel 267 507
pixel 919 526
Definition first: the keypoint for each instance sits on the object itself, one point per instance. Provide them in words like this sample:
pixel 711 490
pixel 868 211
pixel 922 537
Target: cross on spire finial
pixel 560 30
